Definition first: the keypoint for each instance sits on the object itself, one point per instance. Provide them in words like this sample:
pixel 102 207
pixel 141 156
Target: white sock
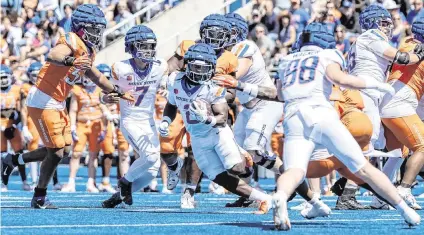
pixel 106 180
pixel 71 181
pixel 21 160
pixel 402 206
pixel 391 167
pixel 257 195
pixel 314 200
pixel 33 169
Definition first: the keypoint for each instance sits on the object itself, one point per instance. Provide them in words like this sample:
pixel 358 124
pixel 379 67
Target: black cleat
pixel 125 191
pixel 113 201
pixel 7 168
pixel 42 203
pixel 149 190
pixel 240 202
pixel 349 203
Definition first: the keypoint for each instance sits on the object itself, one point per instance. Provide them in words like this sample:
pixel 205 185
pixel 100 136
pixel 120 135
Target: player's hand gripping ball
pixel 200 109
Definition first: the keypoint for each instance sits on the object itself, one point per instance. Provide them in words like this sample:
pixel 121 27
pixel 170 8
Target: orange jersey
pixel 10 98
pixel 346 100
pixel 159 106
pixel 57 81
pixel 411 75
pixel 88 103
pixel 227 62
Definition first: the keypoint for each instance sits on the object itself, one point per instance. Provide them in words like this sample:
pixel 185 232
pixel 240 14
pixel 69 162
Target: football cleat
pixel 26 186
pixel 378 204
pixel 125 191
pixel 68 188
pixel 349 203
pixel 106 187
pixel 174 176
pixel 406 195
pixel 301 206
pixel 319 209
pixel 113 201
pixel 187 200
pixel 42 203
pixel 167 191
pixel 216 189
pixel 3 188
pixel 281 217
pixel 412 218
pixel 240 202
pixel 57 187
pixel 7 168
pixel 91 188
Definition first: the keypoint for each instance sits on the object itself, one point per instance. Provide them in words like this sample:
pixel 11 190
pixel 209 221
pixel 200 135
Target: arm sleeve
pixel 217 95
pixel 376 42
pixel 332 56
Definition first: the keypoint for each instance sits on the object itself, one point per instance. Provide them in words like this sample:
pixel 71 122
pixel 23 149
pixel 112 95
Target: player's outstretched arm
pixel 405 58
pixel 100 80
pixel 335 74
pixel 175 63
pixel 58 53
pixel 243 66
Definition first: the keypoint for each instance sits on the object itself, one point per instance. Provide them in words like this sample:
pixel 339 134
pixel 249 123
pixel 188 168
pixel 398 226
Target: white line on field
pixel 183 224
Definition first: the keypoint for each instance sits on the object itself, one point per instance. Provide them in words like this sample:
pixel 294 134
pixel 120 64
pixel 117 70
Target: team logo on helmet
pixel 201 61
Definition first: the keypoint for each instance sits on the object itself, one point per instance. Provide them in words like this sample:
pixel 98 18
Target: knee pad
pixel 227 181
pixel 266 161
pixel 9 133
pixel 108 156
pixel 237 169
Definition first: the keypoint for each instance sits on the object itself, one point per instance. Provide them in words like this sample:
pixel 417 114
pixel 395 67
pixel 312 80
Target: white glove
pixel 74 133
pixel 199 111
pixel 164 128
pixel 380 86
pixel 27 134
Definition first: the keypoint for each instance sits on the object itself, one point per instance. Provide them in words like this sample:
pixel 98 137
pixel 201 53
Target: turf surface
pixel 154 213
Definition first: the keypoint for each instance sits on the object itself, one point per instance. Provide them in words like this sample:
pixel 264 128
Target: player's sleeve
pixel 244 49
pixel 70 40
pixel 217 94
pixel 232 63
pixel 332 56
pixel 281 69
pixel 183 47
pixel 163 73
pixel 376 42
pixel 171 88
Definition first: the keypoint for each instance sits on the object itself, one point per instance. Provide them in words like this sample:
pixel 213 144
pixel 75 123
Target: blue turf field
pixel 153 213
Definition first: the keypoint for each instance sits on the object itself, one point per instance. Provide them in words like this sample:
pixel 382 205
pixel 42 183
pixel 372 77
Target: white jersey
pixel 141 85
pixel 257 73
pixel 366 59
pixel 181 95
pixel 303 77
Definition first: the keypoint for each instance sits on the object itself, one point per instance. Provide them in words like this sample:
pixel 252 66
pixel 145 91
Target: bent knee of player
pixel 237 169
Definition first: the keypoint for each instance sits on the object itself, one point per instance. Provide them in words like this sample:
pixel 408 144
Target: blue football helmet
pixel 316 34
pixel 5 76
pixel 201 61
pixel 89 23
pixel 140 42
pixel 33 71
pixel 105 69
pixel 215 30
pixel 239 28
pixel 418 29
pixel 376 17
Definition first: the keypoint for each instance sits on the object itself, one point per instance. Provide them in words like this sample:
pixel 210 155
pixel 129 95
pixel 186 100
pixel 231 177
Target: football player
pixel 403 126
pixel 88 125
pixel 10 108
pixel 371 57
pixel 310 120
pixel 141 75
pixel 215 31
pixel 67 62
pixel 204 110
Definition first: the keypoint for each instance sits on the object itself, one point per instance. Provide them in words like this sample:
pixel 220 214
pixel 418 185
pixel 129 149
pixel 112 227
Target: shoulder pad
pixel 335 56
pixel 374 34
pixel 244 49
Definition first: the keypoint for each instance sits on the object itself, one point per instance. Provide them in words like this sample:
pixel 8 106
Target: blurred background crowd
pixel 30 28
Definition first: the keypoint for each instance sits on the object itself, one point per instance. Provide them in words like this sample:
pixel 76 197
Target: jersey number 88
pixel 304 70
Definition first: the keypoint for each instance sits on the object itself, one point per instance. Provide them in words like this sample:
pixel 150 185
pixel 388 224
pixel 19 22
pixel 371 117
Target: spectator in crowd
pixel 65 22
pixel 123 13
pixel 300 16
pixel 46 5
pixel 108 8
pixel 399 29
pixel 32 20
pixel 393 8
pixel 350 18
pixel 265 44
pixel 287 35
pixel 270 20
pixel 331 7
pixel 254 20
pixel 36 47
pixel 342 43
pixel 418 7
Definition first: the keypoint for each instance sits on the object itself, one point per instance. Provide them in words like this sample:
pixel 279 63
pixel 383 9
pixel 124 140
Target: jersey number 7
pixel 304 70
pixel 143 90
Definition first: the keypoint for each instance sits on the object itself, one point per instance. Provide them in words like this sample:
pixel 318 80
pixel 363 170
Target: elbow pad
pixel 402 58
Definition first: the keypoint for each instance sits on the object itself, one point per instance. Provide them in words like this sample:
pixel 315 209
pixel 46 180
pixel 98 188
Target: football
pixel 204 105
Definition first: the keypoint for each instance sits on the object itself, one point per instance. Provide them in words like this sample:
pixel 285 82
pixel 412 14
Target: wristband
pixel 68 60
pixel 166 119
pixel 251 89
pixel 211 121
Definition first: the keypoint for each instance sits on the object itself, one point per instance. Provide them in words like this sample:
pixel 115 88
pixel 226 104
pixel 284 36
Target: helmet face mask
pixel 199 72
pixel 144 50
pixel 89 22
pixel 33 76
pixel 92 34
pixel 386 26
pixel 376 17
pixel 6 80
pixel 215 36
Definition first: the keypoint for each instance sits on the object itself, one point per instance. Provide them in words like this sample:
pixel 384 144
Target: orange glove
pixel 82 62
pixel 226 81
